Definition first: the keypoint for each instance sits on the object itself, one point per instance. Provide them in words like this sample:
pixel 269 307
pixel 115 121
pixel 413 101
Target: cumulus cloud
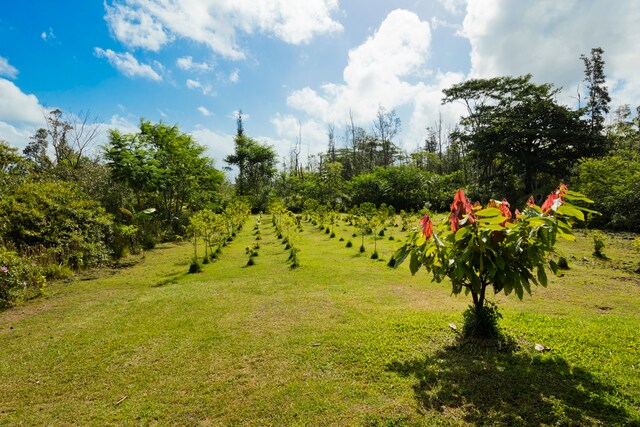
pixel 48 36
pixel 127 64
pixel 186 63
pixel 7 69
pixel 20 114
pixel 150 24
pixel 18 106
pixel 218 144
pixel 375 74
pixel 17 136
pixel 388 70
pixel 135 28
pixel 546 39
pixel 313 133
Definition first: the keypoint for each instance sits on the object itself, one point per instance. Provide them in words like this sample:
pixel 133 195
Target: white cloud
pixel 381 71
pixel 546 39
pixel 186 63
pixel 203 110
pixel 234 77
pixel 135 28
pixel 195 84
pixel 18 106
pixel 127 64
pixel 453 6
pixel 312 133
pixel 150 24
pixel 20 114
pixel 17 136
pixel 123 124
pixel 7 69
pixel 219 145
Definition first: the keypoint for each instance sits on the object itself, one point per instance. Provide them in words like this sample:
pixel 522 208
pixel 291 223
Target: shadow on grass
pixel 169 280
pixel 485 386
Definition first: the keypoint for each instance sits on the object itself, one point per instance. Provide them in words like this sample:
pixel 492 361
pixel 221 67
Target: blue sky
pixel 291 63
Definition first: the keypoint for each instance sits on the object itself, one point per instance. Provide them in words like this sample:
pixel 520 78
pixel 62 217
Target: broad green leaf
pixel 414 263
pixel 492 220
pixel 573 195
pixel 571 211
pixel 542 275
pixel 462 232
pixel 400 255
pixel 488 212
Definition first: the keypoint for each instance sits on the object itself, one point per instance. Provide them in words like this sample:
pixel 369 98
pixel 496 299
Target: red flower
pixel 531 202
pixel 427 226
pixel 460 206
pixel 555 199
pixel 505 211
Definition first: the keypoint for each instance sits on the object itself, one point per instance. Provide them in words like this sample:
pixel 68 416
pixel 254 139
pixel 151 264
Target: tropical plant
pixel 480 247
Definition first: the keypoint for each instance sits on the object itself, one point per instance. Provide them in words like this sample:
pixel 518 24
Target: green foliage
pixel 614 183
pixel 480 247
pixel 598 239
pixel 518 135
pixel 256 169
pixel 195 267
pixel 19 278
pixel 57 217
pixel 294 261
pixel 165 169
pixel 349 244
pixel 481 322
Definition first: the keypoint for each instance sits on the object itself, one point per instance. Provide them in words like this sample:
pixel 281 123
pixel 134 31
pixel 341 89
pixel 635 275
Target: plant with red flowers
pixel 479 247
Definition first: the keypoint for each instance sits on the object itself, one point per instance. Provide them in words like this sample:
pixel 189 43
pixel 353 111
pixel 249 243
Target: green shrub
pixel 563 264
pixel 19 279
pixel 58 215
pixel 195 267
pixel 482 322
pixel 349 244
pixel 598 244
pixel 56 272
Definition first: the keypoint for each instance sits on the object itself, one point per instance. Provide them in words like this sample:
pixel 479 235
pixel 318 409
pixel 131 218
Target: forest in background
pixel 62 208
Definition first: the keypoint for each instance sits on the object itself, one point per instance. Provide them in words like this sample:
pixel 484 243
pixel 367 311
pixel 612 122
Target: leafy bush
pixel 195 267
pixel 598 244
pixel 479 247
pixel 57 216
pixel 614 183
pixel 481 322
pixel 18 278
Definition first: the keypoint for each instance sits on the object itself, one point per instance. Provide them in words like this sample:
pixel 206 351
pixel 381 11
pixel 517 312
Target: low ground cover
pixel 341 340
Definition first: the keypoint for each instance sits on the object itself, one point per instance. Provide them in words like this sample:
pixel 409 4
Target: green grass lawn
pixel 342 340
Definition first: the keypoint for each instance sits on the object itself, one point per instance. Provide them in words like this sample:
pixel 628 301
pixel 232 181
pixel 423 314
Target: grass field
pixel 342 340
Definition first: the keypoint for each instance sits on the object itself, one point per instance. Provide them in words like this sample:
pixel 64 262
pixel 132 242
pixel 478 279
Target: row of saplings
pixel 216 230
pixel 476 247
pixel 366 218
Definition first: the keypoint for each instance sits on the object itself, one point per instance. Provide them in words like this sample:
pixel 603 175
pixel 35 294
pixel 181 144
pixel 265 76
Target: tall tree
pixel 517 133
pixel 256 168
pixel 385 127
pixel 598 94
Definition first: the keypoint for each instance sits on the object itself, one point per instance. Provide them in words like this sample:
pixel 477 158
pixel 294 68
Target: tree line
pixel 515 140
pixel 64 207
